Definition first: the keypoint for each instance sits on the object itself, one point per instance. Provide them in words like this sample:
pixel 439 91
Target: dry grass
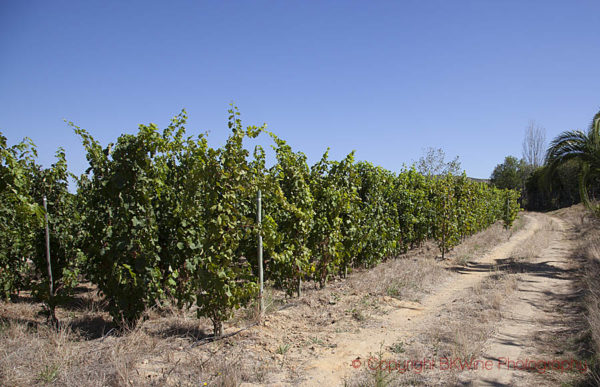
pixel 408 277
pixel 461 329
pixel 588 340
pixel 573 318
pixel 160 351
pixel 168 348
pixel 457 332
pixel 537 242
pixel 415 274
pixel 478 244
pixel 39 355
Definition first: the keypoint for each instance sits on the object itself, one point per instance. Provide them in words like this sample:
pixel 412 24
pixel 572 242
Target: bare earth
pixel 523 315
pixel 331 368
pixel 501 297
pixel 530 311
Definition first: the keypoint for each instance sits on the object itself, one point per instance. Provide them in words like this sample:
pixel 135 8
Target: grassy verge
pixel 586 338
pixel 461 328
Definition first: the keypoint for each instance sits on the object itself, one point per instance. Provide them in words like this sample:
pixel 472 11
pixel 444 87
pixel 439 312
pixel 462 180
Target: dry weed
pixel 461 329
pixel 169 347
pixel 478 244
pixel 589 251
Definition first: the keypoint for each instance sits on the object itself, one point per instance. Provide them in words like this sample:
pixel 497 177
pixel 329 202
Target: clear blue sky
pixel 386 78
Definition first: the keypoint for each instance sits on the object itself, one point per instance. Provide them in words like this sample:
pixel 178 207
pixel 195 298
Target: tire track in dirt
pixel 330 367
pixel 542 284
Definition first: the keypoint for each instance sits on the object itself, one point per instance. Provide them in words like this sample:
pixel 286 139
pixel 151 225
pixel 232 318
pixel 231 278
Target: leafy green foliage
pixel 159 214
pixel 289 218
pixel 583 147
pixel 223 279
pixel 168 216
pixel 510 208
pixel 547 190
pixel 23 262
pixel 446 230
pixel 64 223
pixel 325 239
pixel 125 182
pixel 511 174
pixel 20 215
pixel 380 214
pixel 345 175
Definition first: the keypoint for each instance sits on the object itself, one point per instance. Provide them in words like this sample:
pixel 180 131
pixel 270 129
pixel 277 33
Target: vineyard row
pixel 161 215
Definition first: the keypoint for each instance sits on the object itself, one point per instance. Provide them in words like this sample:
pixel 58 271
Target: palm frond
pixel 566 146
pixel 594 131
pixel 580 146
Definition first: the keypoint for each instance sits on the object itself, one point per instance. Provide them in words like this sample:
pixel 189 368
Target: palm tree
pixel 580 146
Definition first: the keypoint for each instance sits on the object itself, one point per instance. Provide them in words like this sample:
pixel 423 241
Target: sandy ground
pixel 523 316
pixel 533 309
pixel 504 296
pixel 331 368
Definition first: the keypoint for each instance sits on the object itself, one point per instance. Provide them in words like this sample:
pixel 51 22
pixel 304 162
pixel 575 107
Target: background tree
pixel 511 174
pixel 534 144
pixel 582 147
pixel 433 163
pixel 542 194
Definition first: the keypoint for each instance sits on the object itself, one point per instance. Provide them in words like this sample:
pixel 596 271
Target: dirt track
pixel 501 295
pixel 532 309
pixel 331 368
pixel 512 339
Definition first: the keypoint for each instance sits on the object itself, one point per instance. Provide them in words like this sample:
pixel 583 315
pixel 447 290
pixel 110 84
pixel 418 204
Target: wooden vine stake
pixel 260 253
pixel 49 263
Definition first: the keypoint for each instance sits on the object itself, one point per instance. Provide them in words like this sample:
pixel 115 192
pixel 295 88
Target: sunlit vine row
pixel 161 215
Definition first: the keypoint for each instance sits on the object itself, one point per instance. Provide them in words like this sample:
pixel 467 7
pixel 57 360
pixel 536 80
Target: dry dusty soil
pixel 501 311
pixel 508 355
